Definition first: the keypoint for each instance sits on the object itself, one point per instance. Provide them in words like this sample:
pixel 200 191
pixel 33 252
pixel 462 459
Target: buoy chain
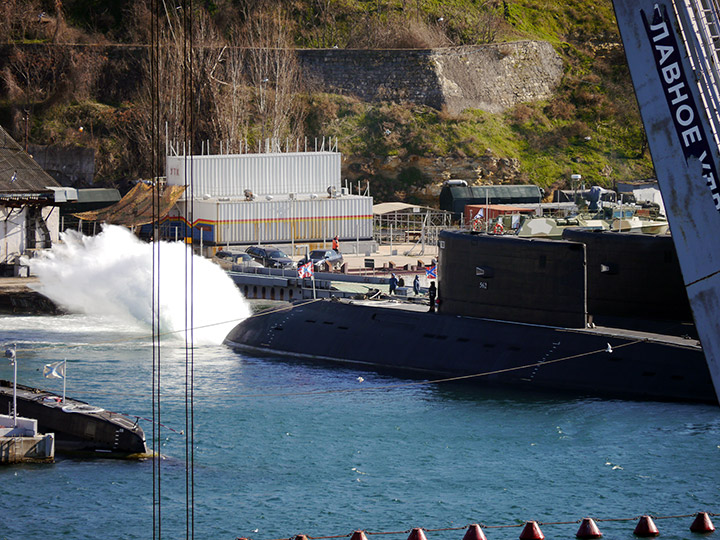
pixel 392 532
pixel 446 529
pixel 335 536
pixel 643 518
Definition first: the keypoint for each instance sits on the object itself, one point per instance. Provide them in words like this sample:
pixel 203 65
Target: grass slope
pixel 591 127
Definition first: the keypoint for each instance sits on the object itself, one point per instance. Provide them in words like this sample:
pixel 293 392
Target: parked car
pixel 230 260
pixel 324 259
pixel 270 256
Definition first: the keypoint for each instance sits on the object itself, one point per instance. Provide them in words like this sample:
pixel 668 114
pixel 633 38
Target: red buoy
pixel 301 537
pixel 646 527
pixel 474 532
pixel 358 535
pixel 417 534
pixel 702 523
pixel 532 532
pixel 588 529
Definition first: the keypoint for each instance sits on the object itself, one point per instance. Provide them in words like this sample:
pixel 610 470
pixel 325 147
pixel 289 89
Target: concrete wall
pixel 37 449
pixel 69 165
pixel 14 231
pixel 26 427
pixel 23 443
pixel 12 234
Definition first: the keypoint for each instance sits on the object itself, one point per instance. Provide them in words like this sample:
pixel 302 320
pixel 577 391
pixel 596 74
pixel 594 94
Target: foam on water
pixel 111 275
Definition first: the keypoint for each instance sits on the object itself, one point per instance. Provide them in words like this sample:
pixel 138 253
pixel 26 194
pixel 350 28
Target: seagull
pixel 609 348
pixel 360 379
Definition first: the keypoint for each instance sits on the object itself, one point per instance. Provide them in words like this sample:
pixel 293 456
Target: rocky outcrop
pixel 497 77
pixel 485 169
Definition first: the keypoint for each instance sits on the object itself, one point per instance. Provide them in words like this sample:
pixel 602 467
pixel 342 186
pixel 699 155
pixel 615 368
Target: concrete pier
pixel 17 296
pixel 362 274
pixel 22 443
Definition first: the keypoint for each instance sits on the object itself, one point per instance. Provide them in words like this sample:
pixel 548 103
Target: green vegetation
pixel 591 127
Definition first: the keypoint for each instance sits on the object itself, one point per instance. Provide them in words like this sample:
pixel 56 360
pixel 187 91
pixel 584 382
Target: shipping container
pixel 492 211
pixel 262 174
pixel 454 198
pixel 279 220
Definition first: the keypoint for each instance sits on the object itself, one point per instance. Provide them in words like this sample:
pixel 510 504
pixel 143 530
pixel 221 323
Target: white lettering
pixel 716 200
pixel 702 160
pixel 671 73
pixel 692 135
pixel 676 90
pixel 660 26
pixel 688 119
pixel 665 52
pixel 710 178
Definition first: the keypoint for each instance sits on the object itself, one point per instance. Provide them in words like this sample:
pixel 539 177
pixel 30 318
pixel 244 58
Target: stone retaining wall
pixel 491 77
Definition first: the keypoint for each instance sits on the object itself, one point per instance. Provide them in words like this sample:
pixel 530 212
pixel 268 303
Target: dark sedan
pixel 270 256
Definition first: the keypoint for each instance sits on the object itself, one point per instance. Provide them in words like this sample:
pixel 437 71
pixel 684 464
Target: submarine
pixel 597 313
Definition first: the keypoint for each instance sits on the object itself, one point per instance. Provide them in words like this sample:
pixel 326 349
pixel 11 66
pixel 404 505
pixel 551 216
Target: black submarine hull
pixel 79 428
pixel 525 312
pixel 438 346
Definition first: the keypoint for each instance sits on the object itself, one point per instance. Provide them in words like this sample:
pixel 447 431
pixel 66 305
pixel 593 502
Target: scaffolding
pixel 400 223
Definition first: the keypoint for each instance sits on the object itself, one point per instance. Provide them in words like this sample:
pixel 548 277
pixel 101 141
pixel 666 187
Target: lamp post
pixel 10 353
pixel 263 114
pixel 575 180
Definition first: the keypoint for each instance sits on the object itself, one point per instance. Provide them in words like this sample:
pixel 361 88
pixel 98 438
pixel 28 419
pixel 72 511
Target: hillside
pixel 590 126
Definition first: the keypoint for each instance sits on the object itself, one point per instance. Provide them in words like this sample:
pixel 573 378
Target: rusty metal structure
pixel 136 207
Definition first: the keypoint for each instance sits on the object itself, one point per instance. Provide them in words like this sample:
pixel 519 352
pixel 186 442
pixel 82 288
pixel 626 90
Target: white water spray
pixel 111 275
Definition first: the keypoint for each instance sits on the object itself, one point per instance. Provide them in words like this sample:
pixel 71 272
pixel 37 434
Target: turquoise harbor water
pixel 285 448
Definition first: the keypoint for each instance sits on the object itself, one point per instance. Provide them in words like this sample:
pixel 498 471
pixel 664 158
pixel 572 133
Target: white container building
pixel 278 198
pixel 263 174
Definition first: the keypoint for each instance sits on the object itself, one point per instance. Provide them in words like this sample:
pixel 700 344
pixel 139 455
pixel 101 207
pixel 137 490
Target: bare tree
pixel 231 97
pixel 275 75
pixel 206 88
pixel 177 79
pixel 21 19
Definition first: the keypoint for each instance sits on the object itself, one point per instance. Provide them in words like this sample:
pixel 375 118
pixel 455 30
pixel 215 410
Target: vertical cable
pixel 154 108
pixel 192 307
pixel 189 136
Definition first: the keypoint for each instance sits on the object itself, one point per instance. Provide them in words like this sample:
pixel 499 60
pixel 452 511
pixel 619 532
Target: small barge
pixel 79 428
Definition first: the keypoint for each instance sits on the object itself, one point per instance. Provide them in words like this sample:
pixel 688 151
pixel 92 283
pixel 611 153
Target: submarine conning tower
pixel 509 278
pixel 627 280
